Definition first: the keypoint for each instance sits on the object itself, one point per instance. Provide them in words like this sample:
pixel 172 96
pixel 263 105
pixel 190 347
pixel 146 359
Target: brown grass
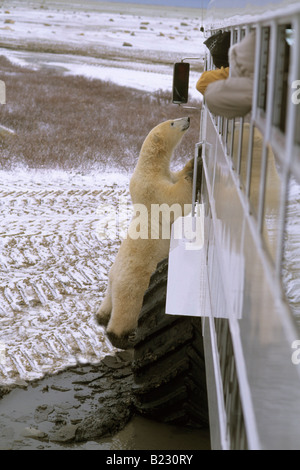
pixel 75 123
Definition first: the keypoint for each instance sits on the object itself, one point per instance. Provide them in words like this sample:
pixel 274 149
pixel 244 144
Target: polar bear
pixel 152 184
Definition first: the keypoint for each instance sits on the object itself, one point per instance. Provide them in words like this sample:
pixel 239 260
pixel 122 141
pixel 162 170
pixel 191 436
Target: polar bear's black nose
pixel 186 124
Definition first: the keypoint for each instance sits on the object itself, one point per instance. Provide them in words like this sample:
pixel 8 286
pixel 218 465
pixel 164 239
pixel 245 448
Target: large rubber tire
pixel 169 368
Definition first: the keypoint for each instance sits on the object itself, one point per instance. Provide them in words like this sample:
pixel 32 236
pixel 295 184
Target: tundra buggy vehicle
pixel 219 333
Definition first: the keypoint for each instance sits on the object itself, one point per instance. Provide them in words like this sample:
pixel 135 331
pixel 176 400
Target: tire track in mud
pixel 53 270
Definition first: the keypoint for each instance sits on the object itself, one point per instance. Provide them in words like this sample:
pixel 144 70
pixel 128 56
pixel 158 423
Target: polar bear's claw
pixel 102 319
pixel 122 342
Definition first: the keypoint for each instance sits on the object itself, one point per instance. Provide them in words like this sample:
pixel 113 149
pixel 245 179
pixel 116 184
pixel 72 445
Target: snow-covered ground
pixel 54 262
pixel 133 46
pixel 56 243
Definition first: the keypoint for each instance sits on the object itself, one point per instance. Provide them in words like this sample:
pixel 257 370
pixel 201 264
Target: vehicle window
pixel 291 255
pixel 256 170
pixel 281 77
pixel 263 69
pixel 271 205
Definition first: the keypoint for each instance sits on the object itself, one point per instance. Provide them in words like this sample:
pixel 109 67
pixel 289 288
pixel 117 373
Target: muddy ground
pixel 80 404
pixel 88 407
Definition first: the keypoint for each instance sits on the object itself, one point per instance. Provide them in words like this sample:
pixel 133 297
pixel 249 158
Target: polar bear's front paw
pixel 122 342
pixel 189 169
pixel 102 317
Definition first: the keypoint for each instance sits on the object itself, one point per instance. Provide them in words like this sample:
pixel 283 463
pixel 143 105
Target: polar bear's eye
pixel 172 123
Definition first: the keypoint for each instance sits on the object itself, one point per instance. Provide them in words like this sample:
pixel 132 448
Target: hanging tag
pixel 186 266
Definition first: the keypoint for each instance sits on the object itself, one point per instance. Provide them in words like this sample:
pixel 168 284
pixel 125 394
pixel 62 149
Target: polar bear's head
pixel 166 135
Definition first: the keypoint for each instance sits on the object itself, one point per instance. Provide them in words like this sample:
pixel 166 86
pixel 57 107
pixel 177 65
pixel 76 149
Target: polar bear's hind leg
pixel 128 302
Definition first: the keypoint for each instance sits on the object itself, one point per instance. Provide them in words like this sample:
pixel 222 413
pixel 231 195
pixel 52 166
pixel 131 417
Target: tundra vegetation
pixel 76 123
